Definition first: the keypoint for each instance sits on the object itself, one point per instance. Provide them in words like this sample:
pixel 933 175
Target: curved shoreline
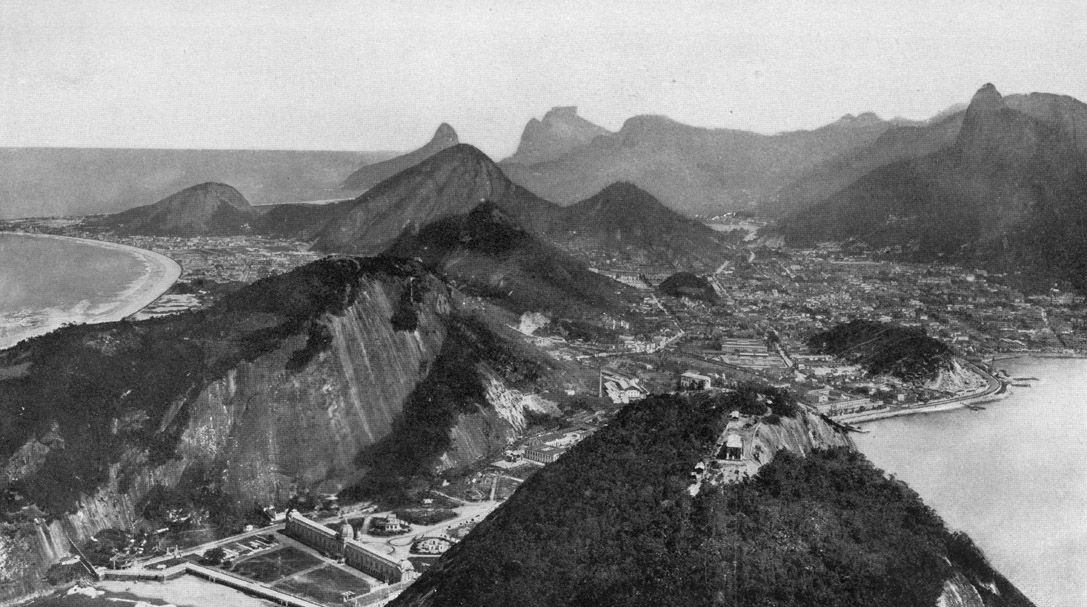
pixel 997 390
pixel 160 273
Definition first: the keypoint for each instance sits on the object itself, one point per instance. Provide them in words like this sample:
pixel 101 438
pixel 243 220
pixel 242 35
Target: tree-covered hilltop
pixel 907 353
pixel 612 523
pixel 685 284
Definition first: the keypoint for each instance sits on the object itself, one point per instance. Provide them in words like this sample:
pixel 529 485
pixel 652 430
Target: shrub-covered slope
pixel 489 254
pixel 685 284
pixel 625 223
pixel 611 523
pixel 905 352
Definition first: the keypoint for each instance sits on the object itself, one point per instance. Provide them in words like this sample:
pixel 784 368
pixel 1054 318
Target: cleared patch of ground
pixel 325 585
pixel 275 565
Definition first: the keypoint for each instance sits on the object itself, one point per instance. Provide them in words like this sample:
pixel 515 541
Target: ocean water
pixel 47 281
pixel 1014 476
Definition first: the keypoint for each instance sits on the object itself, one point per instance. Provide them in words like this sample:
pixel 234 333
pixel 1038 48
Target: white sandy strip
pixel 185 591
pixel 160 273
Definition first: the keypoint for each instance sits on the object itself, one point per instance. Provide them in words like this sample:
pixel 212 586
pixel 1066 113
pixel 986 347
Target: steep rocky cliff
pixel 285 384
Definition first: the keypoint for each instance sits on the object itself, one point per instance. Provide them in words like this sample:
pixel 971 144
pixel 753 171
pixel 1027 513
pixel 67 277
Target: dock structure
pixel 354 553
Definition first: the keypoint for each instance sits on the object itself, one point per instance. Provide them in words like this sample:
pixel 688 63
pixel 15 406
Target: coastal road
pixel 993 386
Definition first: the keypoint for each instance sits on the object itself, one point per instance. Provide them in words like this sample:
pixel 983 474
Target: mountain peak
pixel 220 191
pixel 860 120
pixel 560 131
pixel 990 130
pixel 372 174
pixel 445 136
pixel 987 99
pixel 450 182
pixel 565 112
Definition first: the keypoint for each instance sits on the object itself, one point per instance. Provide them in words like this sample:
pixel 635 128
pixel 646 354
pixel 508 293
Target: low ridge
pixel 201 210
pixel 625 221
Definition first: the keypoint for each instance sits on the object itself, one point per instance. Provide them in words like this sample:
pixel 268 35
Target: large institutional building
pixel 343 544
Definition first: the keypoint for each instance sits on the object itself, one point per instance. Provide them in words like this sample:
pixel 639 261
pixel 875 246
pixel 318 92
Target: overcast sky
pixel 303 74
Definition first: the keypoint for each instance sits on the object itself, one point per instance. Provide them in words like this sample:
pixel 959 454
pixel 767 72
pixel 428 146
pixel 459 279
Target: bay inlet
pixel 1013 475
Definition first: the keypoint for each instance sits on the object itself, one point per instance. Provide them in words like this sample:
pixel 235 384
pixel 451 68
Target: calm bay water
pixel 47 281
pixel 1014 476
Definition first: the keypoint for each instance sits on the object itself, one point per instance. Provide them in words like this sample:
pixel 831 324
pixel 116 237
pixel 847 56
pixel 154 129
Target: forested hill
pixel 904 352
pixel 611 523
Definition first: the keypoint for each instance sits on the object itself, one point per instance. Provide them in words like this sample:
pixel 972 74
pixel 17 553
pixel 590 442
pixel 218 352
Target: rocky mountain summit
pixel 560 132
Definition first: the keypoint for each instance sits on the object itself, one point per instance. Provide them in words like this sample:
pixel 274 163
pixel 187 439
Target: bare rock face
pixel 992 133
pixel 335 351
pixel 373 174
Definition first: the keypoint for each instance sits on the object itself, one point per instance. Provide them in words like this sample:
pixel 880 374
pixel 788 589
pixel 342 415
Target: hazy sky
pixel 382 75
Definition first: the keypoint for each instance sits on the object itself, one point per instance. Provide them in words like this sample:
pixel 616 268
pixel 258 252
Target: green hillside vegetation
pixel 907 353
pixel 611 523
pixel 685 284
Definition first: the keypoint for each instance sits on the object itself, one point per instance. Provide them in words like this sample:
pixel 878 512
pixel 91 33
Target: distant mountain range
pixel 621 222
pixel 1008 191
pixel 690 169
pixel 370 175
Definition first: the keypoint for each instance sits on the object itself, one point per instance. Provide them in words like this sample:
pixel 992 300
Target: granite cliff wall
pixel 264 428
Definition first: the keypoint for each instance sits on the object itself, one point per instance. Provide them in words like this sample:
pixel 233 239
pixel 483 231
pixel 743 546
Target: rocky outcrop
pixel 955 377
pixel 959 592
pixel 560 132
pixel 297 413
pixel 486 431
pixel 800 434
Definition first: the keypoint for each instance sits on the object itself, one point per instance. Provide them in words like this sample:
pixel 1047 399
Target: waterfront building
pixel 353 552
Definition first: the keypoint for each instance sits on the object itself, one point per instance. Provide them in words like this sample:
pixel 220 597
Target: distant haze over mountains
pixel 621 221
pixel 1010 189
pixel 690 169
pixel 560 132
pixel 41 182
pixel 999 183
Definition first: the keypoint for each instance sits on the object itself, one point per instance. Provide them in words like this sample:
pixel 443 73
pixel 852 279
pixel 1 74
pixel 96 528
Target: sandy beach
pixel 185 591
pixel 160 273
